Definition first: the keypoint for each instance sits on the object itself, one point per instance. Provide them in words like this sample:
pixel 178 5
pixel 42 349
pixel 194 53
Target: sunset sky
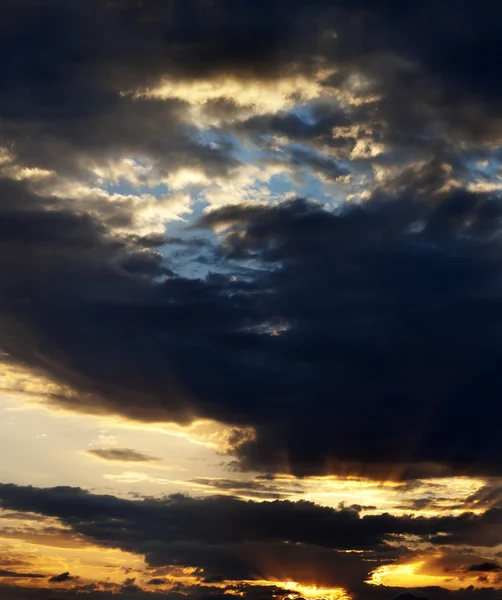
pixel 250 300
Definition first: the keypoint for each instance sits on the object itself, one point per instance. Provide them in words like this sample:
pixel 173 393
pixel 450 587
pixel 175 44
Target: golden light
pixel 424 573
pixel 264 96
pixel 310 592
pixel 405 575
pixel 313 592
pixel 88 562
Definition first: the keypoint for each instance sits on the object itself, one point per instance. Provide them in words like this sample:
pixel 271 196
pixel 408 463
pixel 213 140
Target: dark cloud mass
pixel 485 567
pixel 227 539
pixel 222 520
pixel 61 104
pixel 231 539
pixel 389 312
pixel 280 215
pixel 387 317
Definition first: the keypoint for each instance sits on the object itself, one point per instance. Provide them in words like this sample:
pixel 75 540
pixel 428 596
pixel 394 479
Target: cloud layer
pixel 226 539
pixel 380 320
pixel 282 217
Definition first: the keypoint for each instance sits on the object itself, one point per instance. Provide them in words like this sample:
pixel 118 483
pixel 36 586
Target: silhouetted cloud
pixel 232 539
pixel 16 575
pixel 61 578
pixel 486 567
pixel 122 455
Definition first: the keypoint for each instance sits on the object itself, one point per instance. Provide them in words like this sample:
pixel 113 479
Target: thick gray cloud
pixel 224 520
pixel 387 310
pixel 61 102
pixel 226 539
pixel 66 64
pixel 387 317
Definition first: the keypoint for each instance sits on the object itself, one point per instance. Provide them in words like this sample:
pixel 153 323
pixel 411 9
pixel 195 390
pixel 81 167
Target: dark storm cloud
pixel 213 520
pixel 486 533
pixel 388 321
pixel 77 267
pixel 120 127
pixel 227 539
pixel 388 315
pixel 365 340
pixel 122 455
pixel 220 527
pixel 426 88
pixel 60 101
pixel 267 561
pixel 65 64
pixel 384 323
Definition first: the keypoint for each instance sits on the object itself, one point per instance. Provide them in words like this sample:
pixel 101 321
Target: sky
pixel 250 300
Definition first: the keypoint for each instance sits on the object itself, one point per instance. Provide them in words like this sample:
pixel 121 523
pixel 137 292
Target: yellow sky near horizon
pixel 48 447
